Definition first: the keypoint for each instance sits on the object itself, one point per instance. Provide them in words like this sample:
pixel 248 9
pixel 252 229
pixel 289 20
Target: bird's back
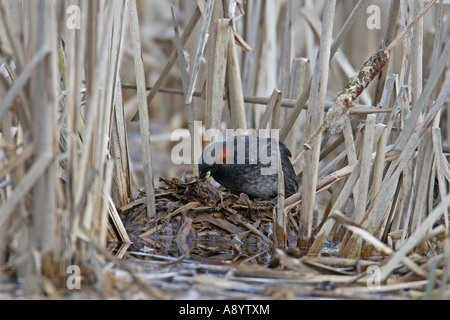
pixel 254 167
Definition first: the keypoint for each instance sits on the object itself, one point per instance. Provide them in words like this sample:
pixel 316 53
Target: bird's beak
pixel 208 174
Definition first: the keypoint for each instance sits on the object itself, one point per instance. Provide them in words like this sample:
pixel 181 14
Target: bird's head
pixel 212 158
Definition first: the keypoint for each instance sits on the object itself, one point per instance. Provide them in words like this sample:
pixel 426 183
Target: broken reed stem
pixel 275 100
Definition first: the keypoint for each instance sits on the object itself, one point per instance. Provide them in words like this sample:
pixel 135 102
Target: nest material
pixel 197 219
pixel 200 221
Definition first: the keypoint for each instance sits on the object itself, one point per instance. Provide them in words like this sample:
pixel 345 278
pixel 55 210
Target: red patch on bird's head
pixel 223 154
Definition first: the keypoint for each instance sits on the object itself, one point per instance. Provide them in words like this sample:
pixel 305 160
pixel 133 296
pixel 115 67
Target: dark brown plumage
pixel 248 164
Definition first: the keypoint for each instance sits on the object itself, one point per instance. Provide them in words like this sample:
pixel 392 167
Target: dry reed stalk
pixel 411 25
pixel 423 99
pixel 365 155
pixel 357 84
pixel 91 189
pixel 352 247
pixel 190 108
pixel 316 110
pixel 234 81
pixel 235 94
pixel 379 165
pixel 285 102
pixel 23 78
pixel 284 71
pixel 276 111
pixel 279 214
pixel 399 200
pixel 424 161
pixel 376 243
pixel 250 64
pixel 340 202
pixel 299 74
pixel 437 37
pixel 301 101
pixel 399 104
pixel 286 44
pixel 349 142
pixel 407 132
pixel 88 159
pixel 45 238
pixel 388 188
pixel 416 55
pixel 73 137
pixel 17 160
pixel 388 37
pixel 386 96
pixel 114 117
pixel 323 184
pixel 348 95
pixel 9 11
pixel 275 100
pixel 119 232
pixel 33 174
pixel 40 233
pixel 441 167
pixel 207 16
pixel 415 238
pixel 143 109
pixel 172 59
pixel 121 184
pixel 75 49
pixel 121 191
pixel 215 83
pixel 266 78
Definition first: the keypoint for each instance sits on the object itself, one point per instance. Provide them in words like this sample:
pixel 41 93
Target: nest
pixel 202 222
pixel 199 220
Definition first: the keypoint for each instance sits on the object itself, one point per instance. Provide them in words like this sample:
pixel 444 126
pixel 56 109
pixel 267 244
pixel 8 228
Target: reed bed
pixel 91 91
